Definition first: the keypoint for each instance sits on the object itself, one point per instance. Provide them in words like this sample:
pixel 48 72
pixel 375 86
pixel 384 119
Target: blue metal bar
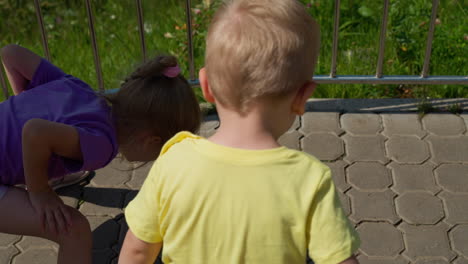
pixel 430 37
pixel 383 33
pixel 188 13
pixel 336 27
pixel 40 21
pixel 392 79
pixel 97 61
pixel 141 27
pixel 386 79
pixel 4 84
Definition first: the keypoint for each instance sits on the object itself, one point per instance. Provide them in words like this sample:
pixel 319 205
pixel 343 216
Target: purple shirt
pixel 55 96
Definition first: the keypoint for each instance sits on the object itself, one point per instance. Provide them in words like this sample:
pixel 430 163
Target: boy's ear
pixel 205 86
pixel 301 97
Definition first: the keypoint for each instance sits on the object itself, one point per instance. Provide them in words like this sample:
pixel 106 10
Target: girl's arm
pixel 40 139
pixel 136 251
pixel 20 65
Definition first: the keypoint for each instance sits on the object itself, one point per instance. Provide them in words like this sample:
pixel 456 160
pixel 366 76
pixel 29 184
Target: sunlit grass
pixel 165 31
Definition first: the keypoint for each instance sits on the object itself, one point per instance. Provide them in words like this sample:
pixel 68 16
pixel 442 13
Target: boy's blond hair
pixel 260 48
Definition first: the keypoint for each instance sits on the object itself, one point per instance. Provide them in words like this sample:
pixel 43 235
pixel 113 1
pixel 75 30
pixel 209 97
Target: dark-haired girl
pixel 56 125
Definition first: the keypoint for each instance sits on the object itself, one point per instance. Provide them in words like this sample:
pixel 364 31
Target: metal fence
pixel 378 78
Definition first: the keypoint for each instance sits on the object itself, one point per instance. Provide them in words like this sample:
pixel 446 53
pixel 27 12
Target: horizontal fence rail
pixel 389 79
pixel 333 78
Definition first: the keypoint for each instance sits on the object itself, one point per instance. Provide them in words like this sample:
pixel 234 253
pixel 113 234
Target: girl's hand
pixel 53 213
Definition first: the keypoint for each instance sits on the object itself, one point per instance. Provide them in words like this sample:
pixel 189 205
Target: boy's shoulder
pixel 175 140
pixel 183 139
pixel 176 149
pixel 306 159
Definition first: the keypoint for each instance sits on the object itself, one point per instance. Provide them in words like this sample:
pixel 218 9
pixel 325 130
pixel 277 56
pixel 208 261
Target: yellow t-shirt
pixel 214 204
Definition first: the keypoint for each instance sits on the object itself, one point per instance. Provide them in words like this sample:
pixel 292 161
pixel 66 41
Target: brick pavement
pixel 403 182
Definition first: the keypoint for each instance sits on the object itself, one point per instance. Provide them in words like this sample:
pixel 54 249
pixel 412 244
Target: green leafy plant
pixel 455 108
pixel 424 107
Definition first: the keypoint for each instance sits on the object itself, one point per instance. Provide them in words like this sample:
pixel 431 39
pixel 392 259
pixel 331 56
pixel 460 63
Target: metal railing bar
pixel 336 27
pixel 40 21
pixel 141 27
pixel 385 79
pixel 430 37
pixel 4 84
pixel 188 12
pixel 392 79
pixel 97 61
pixel 383 34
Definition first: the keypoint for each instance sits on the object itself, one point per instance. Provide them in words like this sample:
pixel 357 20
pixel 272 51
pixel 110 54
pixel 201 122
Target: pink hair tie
pixel 171 72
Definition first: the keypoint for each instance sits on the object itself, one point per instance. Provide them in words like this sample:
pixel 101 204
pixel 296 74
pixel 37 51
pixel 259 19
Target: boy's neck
pixel 255 130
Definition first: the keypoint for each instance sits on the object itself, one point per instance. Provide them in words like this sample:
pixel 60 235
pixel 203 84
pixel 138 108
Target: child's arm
pixel 41 139
pixel 136 251
pixel 351 260
pixel 20 65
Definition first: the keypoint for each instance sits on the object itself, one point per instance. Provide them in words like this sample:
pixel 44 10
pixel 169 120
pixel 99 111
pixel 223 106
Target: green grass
pixel 119 48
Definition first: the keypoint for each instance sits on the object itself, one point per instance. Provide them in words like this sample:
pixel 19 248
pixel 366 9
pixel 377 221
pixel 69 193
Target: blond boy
pixel 239 197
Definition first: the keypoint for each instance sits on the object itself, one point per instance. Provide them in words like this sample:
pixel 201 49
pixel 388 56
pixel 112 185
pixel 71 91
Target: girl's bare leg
pixel 20 65
pixel 18 217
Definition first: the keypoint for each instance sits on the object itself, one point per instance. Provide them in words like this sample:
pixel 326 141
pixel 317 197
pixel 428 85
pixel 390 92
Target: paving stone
pixel 36 256
pixel 424 241
pixel 345 203
pixel 448 149
pixel 103 256
pixel 102 202
pixel 365 148
pixel 113 175
pixel 453 177
pixel 7 254
pixel 432 261
pixel 419 208
pixel 460 260
pixel 291 139
pixel 407 149
pixel 372 206
pixel 369 176
pixel 105 231
pixel 361 124
pixel 464 116
pixel 459 239
pixel 413 178
pixel 402 124
pixel 380 239
pixel 8 239
pixel 338 174
pixel 321 122
pixel 363 259
pixel 296 125
pixel 138 176
pixel 444 124
pixel 28 242
pixel 456 206
pixel 208 128
pixel 324 146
